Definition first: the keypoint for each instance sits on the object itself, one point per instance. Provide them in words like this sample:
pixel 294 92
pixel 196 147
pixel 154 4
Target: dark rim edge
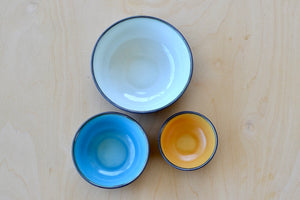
pixel 73 150
pixel 172 164
pixel 153 110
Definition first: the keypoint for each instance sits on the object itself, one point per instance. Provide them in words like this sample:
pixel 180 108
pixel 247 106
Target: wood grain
pixel 246 80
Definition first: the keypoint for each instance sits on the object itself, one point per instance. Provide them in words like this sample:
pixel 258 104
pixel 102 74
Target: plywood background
pixel 246 80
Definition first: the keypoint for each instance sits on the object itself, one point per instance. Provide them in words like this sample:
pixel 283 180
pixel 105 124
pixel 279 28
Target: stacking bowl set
pixel 140 64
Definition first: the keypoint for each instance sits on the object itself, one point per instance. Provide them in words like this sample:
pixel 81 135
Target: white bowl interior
pixel 142 64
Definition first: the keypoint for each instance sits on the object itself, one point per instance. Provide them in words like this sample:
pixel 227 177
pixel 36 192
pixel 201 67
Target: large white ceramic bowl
pixel 142 64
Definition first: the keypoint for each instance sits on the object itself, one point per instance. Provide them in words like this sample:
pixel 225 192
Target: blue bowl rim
pixel 78 132
pixel 166 122
pixel 156 109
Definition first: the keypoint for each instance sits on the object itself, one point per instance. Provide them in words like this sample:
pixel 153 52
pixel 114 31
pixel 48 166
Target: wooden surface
pixel 246 80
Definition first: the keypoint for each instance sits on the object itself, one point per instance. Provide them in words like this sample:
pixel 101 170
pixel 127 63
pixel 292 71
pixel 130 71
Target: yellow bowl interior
pixel 188 140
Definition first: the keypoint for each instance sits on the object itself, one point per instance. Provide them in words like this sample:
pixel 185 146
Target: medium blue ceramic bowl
pixel 110 150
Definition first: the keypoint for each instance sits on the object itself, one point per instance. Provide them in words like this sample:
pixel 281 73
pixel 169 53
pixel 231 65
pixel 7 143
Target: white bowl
pixel 142 64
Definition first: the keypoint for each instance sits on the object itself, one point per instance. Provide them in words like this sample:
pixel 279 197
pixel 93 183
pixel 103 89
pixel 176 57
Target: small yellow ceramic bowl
pixel 188 140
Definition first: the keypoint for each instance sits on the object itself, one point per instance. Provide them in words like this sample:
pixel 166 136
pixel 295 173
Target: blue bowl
pixel 110 150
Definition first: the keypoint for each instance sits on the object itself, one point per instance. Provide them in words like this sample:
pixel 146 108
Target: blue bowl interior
pixel 110 150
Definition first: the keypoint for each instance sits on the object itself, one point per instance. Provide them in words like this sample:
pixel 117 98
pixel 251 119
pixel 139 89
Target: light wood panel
pixel 246 80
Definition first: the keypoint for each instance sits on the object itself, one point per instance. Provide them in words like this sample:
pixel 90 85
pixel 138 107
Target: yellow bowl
pixel 188 140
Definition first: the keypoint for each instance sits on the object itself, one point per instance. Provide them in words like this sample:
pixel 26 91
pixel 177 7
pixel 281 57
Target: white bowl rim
pixel 155 109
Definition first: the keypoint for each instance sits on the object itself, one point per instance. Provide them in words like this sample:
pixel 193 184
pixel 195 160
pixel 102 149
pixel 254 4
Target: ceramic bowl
pixel 110 150
pixel 142 64
pixel 188 140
